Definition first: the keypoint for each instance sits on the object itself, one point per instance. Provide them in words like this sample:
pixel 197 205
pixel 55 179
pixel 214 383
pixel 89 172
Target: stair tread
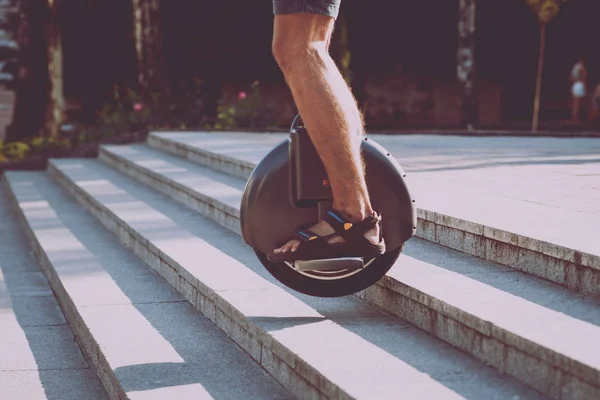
pixel 39 358
pixel 72 384
pixel 154 340
pixel 228 189
pixel 393 355
pixel 495 299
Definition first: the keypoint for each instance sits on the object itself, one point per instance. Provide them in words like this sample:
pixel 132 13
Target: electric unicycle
pixel 289 188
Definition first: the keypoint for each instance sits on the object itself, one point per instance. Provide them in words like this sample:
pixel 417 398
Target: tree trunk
pixel 352 14
pixel 466 62
pixel 148 44
pixel 32 88
pixel 339 48
pixel 56 101
pixel 538 84
pixel 211 89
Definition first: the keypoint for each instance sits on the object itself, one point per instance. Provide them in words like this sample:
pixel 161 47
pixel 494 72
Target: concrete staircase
pixel 39 358
pixel 470 310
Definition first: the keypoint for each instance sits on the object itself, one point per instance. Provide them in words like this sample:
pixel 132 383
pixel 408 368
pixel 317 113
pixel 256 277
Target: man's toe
pixel 295 246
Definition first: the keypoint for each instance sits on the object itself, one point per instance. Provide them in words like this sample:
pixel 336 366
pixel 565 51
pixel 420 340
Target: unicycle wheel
pixel 289 188
pixel 331 283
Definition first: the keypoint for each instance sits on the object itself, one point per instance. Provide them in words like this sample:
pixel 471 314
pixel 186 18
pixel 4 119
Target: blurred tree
pixel 339 48
pixel 466 61
pixel 56 101
pixel 149 47
pixel 546 11
pixel 9 23
pixel 38 98
pixel 9 18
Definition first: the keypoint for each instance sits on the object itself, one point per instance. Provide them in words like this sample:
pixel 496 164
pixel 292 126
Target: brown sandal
pixel 315 247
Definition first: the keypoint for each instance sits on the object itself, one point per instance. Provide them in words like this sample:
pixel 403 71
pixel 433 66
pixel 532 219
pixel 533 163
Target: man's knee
pixel 301 38
pixel 293 51
pixel 281 50
pixel 290 52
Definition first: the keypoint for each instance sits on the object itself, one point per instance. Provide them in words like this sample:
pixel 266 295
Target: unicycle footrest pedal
pixel 330 264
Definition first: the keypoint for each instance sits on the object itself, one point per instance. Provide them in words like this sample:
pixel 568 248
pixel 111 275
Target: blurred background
pixel 83 71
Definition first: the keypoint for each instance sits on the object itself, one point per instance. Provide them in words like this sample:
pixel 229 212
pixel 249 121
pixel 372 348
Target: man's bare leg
pixel 329 111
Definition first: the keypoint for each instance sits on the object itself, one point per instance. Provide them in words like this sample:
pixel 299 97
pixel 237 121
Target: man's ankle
pixel 355 214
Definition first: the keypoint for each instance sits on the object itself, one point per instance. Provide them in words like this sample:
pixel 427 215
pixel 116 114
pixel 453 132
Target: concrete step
pixel 339 348
pixel 534 330
pixel 39 358
pixel 555 244
pixel 144 340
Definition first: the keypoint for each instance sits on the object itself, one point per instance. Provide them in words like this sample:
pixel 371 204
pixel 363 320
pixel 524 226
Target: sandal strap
pixel 315 247
pixel 350 230
pixel 306 235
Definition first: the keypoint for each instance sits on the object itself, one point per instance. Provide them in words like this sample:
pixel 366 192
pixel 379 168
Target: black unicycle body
pixel 289 188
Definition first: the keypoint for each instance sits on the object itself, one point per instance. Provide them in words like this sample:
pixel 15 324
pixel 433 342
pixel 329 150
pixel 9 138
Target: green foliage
pixel 249 111
pixel 51 146
pixel 14 150
pixel 127 113
pixel 128 117
pixel 45 146
pixel 2 156
pixel 181 109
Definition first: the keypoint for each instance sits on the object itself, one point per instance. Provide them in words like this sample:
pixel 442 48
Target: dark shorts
pixel 330 8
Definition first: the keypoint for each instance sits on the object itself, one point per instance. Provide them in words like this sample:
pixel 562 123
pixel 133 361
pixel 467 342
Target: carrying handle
pixel 297 123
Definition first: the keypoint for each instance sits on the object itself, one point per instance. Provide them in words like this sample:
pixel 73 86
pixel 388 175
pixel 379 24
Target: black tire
pixel 336 287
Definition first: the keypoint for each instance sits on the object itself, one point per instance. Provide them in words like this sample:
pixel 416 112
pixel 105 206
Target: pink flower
pixel 242 95
pixel 255 83
pixel 138 106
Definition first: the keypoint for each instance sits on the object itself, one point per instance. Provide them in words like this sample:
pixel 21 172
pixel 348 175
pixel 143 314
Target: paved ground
pixel 544 188
pixel 556 172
